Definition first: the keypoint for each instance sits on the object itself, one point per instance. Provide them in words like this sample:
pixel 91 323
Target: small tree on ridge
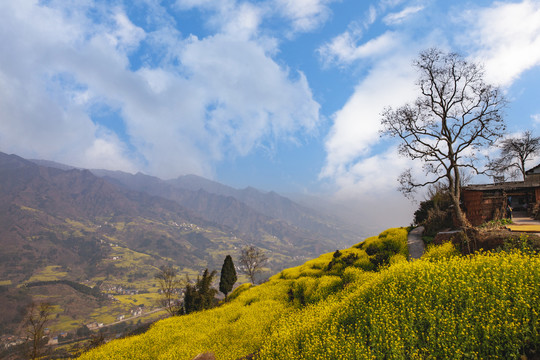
pixel 168 284
pixel 253 260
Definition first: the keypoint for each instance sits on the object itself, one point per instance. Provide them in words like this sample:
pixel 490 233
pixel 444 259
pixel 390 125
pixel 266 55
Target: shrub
pixel 522 243
pixel 397 258
pixel 421 214
pixel 437 220
pixel 440 252
pixel 352 274
pixel 364 263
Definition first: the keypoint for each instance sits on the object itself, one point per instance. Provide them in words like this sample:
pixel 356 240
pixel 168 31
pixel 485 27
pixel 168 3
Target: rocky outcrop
pixel 205 356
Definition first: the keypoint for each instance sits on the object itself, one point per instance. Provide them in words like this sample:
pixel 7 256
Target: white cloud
pixel 220 96
pixel 369 189
pixel 347 48
pixel 507 36
pixel 344 50
pixel 305 15
pixel 399 17
pixel 356 126
pixel 243 17
pixel 38 120
pixel 372 15
pixel 229 16
pixel 536 118
pixel 236 99
pixel 126 33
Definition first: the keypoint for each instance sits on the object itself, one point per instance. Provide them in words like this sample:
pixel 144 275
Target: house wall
pixel 472 201
pixel 483 206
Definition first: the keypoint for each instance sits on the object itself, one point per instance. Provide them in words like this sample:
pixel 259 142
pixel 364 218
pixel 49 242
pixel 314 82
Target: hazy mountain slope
pixel 271 214
pixel 72 225
pixel 274 205
pixel 54 217
pixel 60 217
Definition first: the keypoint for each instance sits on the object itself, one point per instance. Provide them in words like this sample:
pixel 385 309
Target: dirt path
pixel 415 243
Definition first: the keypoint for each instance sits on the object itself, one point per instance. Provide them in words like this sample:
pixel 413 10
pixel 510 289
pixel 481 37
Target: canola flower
pixel 443 306
pixel 482 307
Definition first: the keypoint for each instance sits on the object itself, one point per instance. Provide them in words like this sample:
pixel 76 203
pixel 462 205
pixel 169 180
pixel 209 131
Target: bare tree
pixel 456 114
pixel 169 285
pixel 515 151
pixel 36 318
pixel 253 259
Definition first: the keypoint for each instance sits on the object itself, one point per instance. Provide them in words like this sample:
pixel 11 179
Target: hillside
pixel 253 213
pixel 62 223
pixel 366 302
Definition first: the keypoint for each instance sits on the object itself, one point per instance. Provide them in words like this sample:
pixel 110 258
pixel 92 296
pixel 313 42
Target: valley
pixel 91 245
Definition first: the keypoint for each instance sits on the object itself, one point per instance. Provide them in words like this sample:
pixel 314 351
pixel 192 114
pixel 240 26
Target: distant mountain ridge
pixel 50 216
pixel 62 205
pixel 256 205
pixel 58 222
pixel 269 203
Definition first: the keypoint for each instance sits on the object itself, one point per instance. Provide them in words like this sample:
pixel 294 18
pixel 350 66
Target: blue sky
pixel 282 95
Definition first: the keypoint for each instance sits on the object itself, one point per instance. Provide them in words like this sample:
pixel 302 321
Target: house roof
pixel 532 180
pixel 508 185
pixel 531 170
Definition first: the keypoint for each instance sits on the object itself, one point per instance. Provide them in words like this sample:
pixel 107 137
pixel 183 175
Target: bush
pixel 352 274
pixel 521 243
pixel 437 220
pixel 435 213
pixel 395 259
pixel 381 248
pixel 440 252
pixel 422 213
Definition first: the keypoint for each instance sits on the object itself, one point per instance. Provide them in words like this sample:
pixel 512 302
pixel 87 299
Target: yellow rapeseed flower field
pixel 444 306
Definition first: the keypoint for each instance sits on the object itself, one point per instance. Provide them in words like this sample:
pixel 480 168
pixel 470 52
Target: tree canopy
pixel 456 115
pixel 253 260
pixel 199 296
pixel 168 284
pixel 515 151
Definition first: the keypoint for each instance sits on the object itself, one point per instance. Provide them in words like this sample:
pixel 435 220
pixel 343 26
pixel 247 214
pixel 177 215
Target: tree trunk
pixel 460 215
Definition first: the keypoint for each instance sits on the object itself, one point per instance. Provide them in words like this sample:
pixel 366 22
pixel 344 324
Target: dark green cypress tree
pixel 191 299
pixel 205 290
pixel 228 276
pixel 199 296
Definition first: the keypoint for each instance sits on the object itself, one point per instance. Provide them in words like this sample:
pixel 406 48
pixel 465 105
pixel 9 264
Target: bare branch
pixel 456 114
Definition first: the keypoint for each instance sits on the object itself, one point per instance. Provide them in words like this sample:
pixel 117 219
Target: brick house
pixel 486 202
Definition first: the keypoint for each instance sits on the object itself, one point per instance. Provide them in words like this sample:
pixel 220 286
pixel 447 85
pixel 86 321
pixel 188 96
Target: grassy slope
pixel 485 306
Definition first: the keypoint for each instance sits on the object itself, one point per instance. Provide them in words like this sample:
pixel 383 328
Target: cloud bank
pixel 83 84
pixel 503 36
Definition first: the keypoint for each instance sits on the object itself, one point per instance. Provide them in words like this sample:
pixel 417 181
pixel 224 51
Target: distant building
pixel 485 202
pixel 92 326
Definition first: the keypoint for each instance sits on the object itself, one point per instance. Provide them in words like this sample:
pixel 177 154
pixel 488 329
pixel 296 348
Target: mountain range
pixel 63 223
